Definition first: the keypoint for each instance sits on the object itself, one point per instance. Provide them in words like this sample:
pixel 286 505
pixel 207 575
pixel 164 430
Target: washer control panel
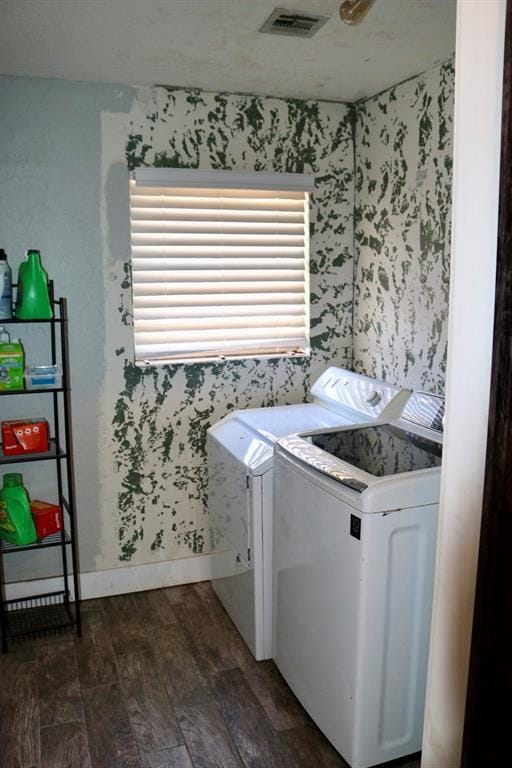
pixel 425 410
pixel 337 387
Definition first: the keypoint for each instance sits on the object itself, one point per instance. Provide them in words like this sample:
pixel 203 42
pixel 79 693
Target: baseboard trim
pixel 119 581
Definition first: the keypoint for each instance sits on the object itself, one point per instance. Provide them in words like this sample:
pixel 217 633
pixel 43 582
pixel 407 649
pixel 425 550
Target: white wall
pixel 478 89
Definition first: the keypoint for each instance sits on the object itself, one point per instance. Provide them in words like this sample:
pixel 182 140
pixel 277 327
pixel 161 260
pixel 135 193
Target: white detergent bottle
pixel 5 287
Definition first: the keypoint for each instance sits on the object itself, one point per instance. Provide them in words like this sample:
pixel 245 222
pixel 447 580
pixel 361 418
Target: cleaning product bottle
pixel 32 298
pixel 16 522
pixel 12 362
pixel 5 287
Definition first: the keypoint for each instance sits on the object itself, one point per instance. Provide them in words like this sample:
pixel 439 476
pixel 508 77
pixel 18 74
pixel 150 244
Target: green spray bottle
pixel 16 521
pixel 33 298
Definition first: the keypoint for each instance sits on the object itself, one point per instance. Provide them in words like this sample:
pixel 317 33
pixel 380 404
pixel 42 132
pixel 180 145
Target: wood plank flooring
pixel 160 679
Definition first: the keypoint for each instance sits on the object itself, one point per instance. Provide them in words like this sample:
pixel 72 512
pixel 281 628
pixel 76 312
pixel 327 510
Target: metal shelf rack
pixel 53 612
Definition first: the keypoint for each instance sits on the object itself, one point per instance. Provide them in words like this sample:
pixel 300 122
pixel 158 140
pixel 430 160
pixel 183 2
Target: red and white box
pixel 47 518
pixel 25 436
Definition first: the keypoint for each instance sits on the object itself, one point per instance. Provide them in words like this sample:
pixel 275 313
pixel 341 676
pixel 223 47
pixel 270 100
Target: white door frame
pixel 478 93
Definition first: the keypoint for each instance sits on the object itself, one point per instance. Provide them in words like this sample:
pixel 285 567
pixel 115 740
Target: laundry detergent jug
pixel 32 298
pixel 16 521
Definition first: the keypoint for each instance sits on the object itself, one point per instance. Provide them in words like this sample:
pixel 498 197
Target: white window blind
pixel 219 263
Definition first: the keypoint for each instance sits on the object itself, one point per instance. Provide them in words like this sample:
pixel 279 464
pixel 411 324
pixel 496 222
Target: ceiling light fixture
pixel 353 11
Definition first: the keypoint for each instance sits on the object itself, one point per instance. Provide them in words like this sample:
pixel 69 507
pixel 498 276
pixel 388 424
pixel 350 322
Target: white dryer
pixel 355 540
pixel 240 489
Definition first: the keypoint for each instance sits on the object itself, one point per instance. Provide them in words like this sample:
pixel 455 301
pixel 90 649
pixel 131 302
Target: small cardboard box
pixel 47 518
pixel 25 436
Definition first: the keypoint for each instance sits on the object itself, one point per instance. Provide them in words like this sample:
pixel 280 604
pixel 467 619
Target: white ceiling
pixel 215 44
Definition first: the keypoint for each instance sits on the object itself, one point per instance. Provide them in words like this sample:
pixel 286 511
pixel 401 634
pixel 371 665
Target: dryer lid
pixel 245 445
pixel 282 420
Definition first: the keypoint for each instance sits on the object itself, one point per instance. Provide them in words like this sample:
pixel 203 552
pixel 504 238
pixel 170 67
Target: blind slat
pixel 195 239
pixel 211 214
pixel 140 289
pixel 139 190
pixel 151 251
pixel 218 321
pixel 157 227
pixel 151 271
pixel 148 301
pixel 229 204
pixel 215 334
pixel 162 314
pixel 291 271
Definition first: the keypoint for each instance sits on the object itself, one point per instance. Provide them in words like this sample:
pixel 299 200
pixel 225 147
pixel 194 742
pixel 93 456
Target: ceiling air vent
pixel 283 21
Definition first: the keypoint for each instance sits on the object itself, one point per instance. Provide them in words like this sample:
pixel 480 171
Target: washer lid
pixel 376 467
pixel 380 450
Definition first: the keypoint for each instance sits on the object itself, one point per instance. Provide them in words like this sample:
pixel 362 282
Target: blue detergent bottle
pixel 5 287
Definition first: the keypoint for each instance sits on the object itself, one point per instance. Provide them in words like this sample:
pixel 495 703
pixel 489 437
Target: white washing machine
pixel 355 541
pixel 240 489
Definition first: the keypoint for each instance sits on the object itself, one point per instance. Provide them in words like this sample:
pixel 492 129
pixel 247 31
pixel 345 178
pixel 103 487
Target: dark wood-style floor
pixel 160 679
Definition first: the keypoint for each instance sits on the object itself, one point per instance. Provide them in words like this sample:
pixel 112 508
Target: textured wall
pixel 402 238
pixel 50 190
pixel 161 415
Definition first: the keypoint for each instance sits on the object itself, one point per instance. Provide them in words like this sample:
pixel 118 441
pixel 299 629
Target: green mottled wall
pixel 402 238
pixel 160 415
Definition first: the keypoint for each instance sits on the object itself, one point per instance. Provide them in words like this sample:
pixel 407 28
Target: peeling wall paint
pixel 402 231
pixel 162 413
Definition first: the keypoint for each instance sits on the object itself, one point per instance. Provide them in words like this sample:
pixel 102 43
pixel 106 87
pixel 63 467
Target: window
pixel 219 264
